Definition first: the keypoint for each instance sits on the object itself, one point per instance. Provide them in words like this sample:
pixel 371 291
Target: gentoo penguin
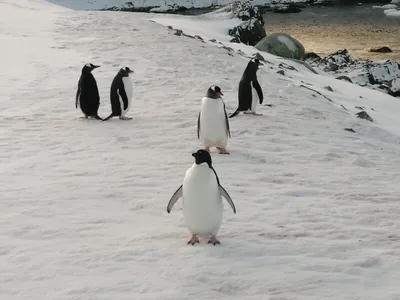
pixel 87 94
pixel 202 194
pixel 245 92
pixel 212 122
pixel 121 94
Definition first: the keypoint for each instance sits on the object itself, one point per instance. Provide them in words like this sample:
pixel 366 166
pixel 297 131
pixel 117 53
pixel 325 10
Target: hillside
pixel 83 202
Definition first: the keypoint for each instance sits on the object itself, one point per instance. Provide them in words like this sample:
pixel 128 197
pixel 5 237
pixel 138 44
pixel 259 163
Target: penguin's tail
pixel 235 113
pixel 109 117
pixel 97 117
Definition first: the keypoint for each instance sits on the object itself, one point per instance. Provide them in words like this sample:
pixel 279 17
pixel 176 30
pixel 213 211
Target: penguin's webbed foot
pixel 213 240
pixel 207 149
pixel 193 240
pixel 125 118
pixel 222 150
pixel 83 117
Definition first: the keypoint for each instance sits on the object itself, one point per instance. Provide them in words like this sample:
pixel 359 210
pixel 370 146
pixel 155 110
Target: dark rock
pixel 373 74
pixel 394 87
pixel 329 88
pixel 331 68
pixel 349 129
pixel 245 11
pixel 178 32
pixel 311 56
pixel 251 30
pixel 281 72
pixel 170 27
pixel 383 49
pixel 286 66
pixel 345 78
pixel 248 32
pixel 364 115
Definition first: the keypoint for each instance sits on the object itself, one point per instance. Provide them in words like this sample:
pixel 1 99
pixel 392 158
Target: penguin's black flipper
pixel 257 87
pixel 228 131
pixel 109 117
pixel 198 126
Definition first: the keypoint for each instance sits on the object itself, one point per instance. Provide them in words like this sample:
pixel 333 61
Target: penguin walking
pixel 212 122
pixel 87 94
pixel 245 94
pixel 121 92
pixel 202 195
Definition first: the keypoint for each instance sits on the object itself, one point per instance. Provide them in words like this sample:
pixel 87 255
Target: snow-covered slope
pixel 83 203
pixel 104 4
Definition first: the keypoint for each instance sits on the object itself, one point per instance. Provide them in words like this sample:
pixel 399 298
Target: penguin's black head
pixel 125 71
pixel 89 68
pixel 214 92
pixel 202 156
pixel 255 64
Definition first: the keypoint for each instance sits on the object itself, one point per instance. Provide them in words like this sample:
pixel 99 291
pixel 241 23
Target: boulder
pixel 281 44
pixel 383 49
pixel 248 32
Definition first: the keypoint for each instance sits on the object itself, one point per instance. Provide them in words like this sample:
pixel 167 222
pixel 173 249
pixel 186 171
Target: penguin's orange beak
pixel 219 94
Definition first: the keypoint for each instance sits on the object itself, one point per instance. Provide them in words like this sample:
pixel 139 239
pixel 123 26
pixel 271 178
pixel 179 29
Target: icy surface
pixel 83 203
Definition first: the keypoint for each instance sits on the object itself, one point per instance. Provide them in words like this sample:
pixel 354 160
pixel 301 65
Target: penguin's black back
pixel 88 93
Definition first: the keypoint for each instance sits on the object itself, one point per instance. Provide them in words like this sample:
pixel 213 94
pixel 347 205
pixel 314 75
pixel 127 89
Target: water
pixel 324 30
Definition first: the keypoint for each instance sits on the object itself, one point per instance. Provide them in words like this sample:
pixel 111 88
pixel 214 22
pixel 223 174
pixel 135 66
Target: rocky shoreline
pixel 281 6
pixel 380 75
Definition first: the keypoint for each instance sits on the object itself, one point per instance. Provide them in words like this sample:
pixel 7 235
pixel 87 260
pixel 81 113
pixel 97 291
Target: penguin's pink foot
pixel 194 240
pixel 125 118
pixel 256 114
pixel 248 112
pixel 213 240
pixel 207 149
pixel 84 117
pixel 222 150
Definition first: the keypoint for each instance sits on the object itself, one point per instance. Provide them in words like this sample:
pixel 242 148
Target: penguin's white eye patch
pixel 124 68
pixel 88 65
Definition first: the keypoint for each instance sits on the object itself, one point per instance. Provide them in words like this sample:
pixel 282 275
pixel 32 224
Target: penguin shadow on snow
pixel 88 97
pixel 202 193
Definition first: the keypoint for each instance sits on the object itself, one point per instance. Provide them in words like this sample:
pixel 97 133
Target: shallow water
pixel 324 30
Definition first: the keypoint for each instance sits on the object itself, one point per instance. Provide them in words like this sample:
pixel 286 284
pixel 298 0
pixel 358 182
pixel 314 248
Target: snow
pixel 392 13
pixel 83 207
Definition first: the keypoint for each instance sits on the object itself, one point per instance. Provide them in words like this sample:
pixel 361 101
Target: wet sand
pixel 324 30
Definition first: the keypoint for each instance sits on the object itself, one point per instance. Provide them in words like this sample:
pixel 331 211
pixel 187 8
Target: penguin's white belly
pixel 129 93
pixel 254 100
pixel 213 131
pixel 202 202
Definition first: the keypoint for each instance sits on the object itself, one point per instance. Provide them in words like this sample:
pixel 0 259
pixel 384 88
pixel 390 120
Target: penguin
pixel 202 193
pixel 245 94
pixel 212 122
pixel 121 92
pixel 87 94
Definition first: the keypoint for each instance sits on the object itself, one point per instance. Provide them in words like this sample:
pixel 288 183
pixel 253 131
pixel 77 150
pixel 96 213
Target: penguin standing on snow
pixel 87 94
pixel 212 122
pixel 245 94
pixel 202 195
pixel 121 94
